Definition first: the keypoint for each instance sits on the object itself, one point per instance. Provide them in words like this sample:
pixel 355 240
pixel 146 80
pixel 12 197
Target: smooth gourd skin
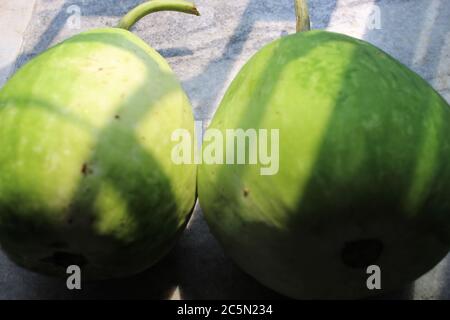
pixel 363 174
pixel 86 175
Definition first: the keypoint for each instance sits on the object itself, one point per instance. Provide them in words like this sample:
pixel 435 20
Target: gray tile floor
pixel 206 53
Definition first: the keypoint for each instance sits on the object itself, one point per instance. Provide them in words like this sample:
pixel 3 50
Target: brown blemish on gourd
pixel 85 170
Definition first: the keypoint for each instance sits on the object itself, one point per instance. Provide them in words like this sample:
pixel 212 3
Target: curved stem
pixel 301 11
pixel 154 6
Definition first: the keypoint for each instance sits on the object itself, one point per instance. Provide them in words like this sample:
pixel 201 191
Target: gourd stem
pixel 154 6
pixel 302 13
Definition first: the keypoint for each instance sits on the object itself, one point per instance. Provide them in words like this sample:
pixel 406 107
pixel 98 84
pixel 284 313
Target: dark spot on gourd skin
pixel 117 117
pixel 245 192
pixel 58 245
pixel 65 259
pixel 361 253
pixel 85 170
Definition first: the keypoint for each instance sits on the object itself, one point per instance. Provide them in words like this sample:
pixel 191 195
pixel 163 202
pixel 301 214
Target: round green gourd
pixel 86 175
pixel 363 179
